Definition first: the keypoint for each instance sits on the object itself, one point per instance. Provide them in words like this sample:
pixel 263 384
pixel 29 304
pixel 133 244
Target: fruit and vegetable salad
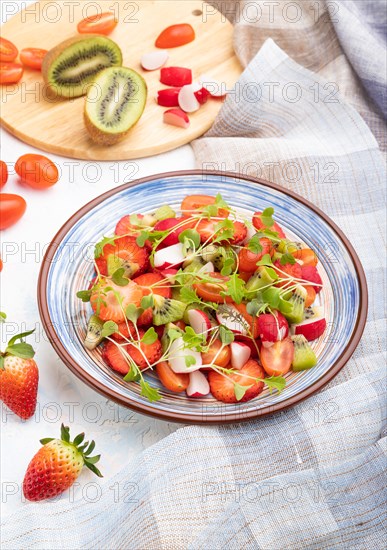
pixel 209 300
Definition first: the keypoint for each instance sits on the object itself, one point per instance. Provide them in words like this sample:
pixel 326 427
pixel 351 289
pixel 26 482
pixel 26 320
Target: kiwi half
pixel 167 310
pixel 94 333
pixel 120 103
pixel 71 66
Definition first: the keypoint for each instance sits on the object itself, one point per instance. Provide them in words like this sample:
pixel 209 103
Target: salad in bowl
pixel 212 301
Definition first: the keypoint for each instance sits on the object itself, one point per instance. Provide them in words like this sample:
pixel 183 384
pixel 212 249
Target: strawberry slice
pixel 109 300
pixel 222 388
pixel 146 282
pixel 114 354
pixel 292 270
pixel 126 227
pixel 208 231
pixel 124 253
pixel 310 273
pixel 126 330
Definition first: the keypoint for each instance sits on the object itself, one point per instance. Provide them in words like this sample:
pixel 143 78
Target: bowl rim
pixel 187 418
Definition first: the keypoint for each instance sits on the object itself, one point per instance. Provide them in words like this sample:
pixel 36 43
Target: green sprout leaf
pixel 226 336
pixel 191 236
pixel 240 391
pixel 84 295
pixel 267 217
pixel 142 238
pixel 287 259
pixel 109 328
pixel 255 244
pixel 133 374
pixel 189 361
pixel 235 288
pixel 147 391
pixel 147 301
pixel 228 266
pixel 192 340
pixel 132 313
pixel 149 337
pixel 118 277
pixel 275 383
pixel 188 295
pixel 98 250
pixel 265 260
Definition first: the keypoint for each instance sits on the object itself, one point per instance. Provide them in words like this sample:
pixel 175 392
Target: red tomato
pixel 8 51
pixel 211 291
pixel 248 259
pixel 32 57
pixel 277 359
pixel 306 256
pixel 101 23
pixel 172 381
pixel 3 173
pixel 10 73
pixel 175 35
pixel 195 203
pixel 37 171
pixel 12 208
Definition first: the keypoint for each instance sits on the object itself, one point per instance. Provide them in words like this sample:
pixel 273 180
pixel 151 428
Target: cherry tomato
pixel 277 359
pixel 222 357
pixel 10 73
pixel 258 224
pixel 3 173
pixel 248 259
pixel 8 51
pixel 306 256
pixel 37 171
pixel 175 35
pixel 12 208
pixel 101 23
pixel 32 57
pixel 211 290
pixel 171 380
pixel 196 203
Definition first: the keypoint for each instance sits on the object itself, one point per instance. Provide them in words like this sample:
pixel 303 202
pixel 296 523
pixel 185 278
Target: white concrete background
pixel 119 433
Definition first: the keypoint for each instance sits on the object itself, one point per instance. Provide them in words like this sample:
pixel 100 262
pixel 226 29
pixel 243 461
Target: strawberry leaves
pixel 18 349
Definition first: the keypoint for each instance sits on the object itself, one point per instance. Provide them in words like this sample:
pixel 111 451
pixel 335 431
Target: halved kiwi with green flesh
pixel 94 333
pixel 120 103
pixel 70 67
pixel 167 310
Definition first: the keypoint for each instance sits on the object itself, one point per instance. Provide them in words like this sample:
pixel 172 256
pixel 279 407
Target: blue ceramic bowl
pixel 68 267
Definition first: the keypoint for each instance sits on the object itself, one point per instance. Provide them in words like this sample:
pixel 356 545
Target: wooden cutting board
pixel 57 125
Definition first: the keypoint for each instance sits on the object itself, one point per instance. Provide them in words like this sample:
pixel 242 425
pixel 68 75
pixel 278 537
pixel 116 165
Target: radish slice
pixel 154 60
pixel 198 385
pixel 176 117
pixel 202 95
pixel 178 357
pixel 168 97
pixel 175 76
pixel 170 256
pixel 207 268
pixel 215 88
pixel 229 316
pixel 187 99
pixel 240 354
pixel 199 321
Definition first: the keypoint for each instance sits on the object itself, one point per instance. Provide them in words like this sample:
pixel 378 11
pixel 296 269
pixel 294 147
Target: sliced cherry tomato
pixel 248 259
pixel 10 73
pixel 32 57
pixel 306 256
pixel 277 359
pixel 195 203
pixel 175 35
pixel 8 51
pixel 211 290
pixel 222 357
pixel 3 173
pixel 12 208
pixel 37 171
pixel 171 380
pixel 258 224
pixel 252 321
pixel 101 23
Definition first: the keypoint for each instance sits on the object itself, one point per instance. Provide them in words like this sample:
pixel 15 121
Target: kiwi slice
pixel 288 247
pixel 94 333
pixel 120 103
pixel 297 300
pixel 71 66
pixel 304 356
pixel 262 278
pixel 218 255
pixel 167 310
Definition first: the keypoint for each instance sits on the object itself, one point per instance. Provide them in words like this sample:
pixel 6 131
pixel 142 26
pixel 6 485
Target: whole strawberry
pixel 57 465
pixel 19 377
